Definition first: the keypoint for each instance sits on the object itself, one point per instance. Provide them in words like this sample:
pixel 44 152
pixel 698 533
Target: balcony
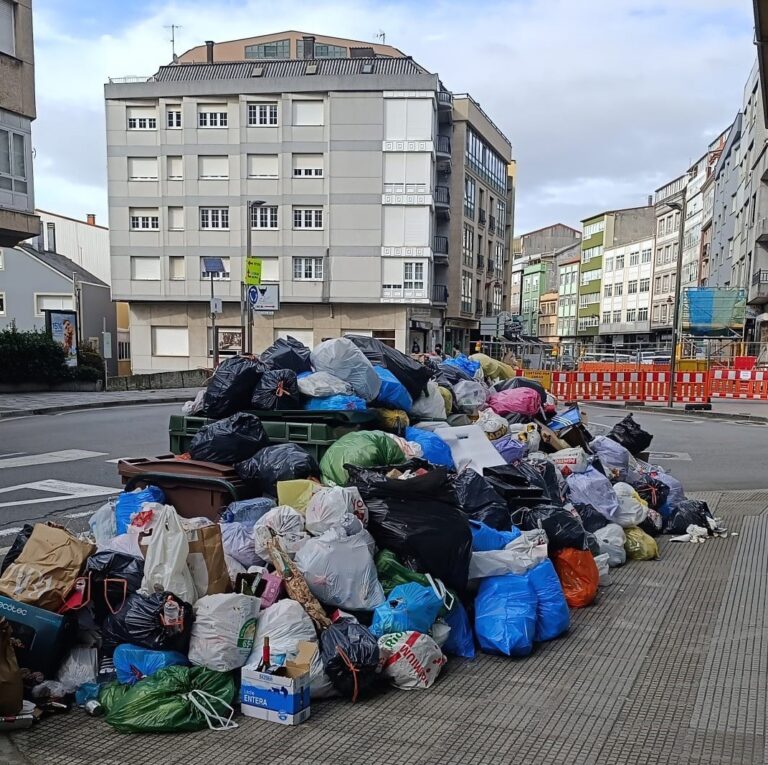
pixel 491 268
pixel 479 307
pixel 761 232
pixel 758 293
pixel 491 225
pixel 480 263
pixel 442 197
pixel 443 146
pixel 444 99
pixel 482 218
pixel 440 249
pixel 439 294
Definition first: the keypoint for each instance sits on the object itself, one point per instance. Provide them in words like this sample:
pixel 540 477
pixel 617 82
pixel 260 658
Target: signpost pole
pixel 214 339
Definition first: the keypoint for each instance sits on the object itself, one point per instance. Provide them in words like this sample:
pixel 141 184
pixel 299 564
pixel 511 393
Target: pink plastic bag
pixel 519 400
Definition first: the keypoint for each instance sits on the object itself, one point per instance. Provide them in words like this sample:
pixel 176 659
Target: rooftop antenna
pixel 173 28
pixel 382 37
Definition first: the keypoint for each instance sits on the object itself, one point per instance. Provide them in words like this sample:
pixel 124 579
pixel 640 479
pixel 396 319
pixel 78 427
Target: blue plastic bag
pixel 553 618
pixel 335 403
pixel 461 641
pixel 130 502
pixel 408 607
pixel 505 615
pixel 510 448
pixel 392 393
pixel 485 538
pixel 247 511
pixel 133 663
pixel 434 448
pixel 463 363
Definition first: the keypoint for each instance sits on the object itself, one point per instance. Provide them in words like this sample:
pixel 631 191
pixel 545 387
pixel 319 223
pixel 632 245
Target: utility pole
pixel 214 339
pixel 173 28
pixel 245 306
pixel 680 206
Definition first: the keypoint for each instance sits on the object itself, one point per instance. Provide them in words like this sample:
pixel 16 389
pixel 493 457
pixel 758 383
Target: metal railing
pixel 760 277
pixel 480 263
pixel 491 225
pixel 482 217
pixel 443 144
pixel 479 306
pixel 439 293
pixel 130 78
pixel 444 98
pixel 442 195
pixel 440 245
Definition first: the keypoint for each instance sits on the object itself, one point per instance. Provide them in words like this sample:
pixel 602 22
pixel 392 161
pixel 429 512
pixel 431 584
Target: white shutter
pixel 170 341
pixel 420 119
pixel 262 166
pixel 308 162
pixel 7 37
pixel 307 112
pixel 141 111
pixel 55 303
pixel 142 168
pixel 176 267
pixel 394 167
pixel 416 227
pixel 175 168
pixel 145 269
pixel 392 271
pixel 213 166
pixel 175 218
pixel 394 225
pixel 211 108
pixel 395 119
pixel 418 169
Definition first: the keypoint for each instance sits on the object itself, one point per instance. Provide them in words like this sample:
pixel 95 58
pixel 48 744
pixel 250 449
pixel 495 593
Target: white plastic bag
pixel 234 567
pixel 81 666
pixel 611 541
pixel 633 510
pixel 613 457
pixel 519 556
pixel 329 506
pixel 440 632
pixel 592 488
pixel 411 660
pixel 286 624
pixel 288 525
pixel 574 459
pixel 410 449
pixel 165 564
pixel 322 384
pixel 601 561
pixel 196 405
pixel 103 523
pixel 430 406
pixel 492 424
pixel 342 358
pixel 340 571
pixel 469 395
pixel 223 631
pixel 237 540
pixel 124 543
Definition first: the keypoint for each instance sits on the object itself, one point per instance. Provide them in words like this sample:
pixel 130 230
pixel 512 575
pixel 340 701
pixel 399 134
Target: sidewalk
pixel 723 408
pixel 22 404
pixel 668 666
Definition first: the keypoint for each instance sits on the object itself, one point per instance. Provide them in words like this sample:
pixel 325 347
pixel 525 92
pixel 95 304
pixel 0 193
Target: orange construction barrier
pixel 738 383
pixel 656 386
pixel 607 386
pixel 691 387
pixel 562 385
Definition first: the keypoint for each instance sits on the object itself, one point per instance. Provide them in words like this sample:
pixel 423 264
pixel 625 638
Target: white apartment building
pixel 568 281
pixel 626 292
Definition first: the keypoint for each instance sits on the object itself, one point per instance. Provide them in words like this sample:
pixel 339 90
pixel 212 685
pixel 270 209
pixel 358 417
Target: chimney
pixel 650 200
pixel 209 51
pixel 90 219
pixel 309 47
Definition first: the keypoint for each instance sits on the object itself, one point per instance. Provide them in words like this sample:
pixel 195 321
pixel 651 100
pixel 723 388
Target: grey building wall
pixel 548 239
pixel 632 225
pixel 97 314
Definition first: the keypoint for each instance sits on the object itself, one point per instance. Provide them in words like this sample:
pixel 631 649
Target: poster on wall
pixel 62 327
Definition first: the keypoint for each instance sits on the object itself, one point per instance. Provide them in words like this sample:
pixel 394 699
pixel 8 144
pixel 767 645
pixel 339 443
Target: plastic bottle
pixel 172 615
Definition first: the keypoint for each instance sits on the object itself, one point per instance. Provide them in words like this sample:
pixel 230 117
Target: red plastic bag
pixel 578 575
pixel 516 400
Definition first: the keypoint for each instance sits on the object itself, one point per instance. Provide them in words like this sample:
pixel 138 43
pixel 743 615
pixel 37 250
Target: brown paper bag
pixel 206 561
pixel 47 568
pixel 11 688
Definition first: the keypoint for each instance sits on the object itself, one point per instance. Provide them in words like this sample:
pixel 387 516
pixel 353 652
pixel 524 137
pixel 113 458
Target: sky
pixel 603 100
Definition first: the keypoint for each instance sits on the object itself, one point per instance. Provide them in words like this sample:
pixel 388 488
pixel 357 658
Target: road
pixel 63 466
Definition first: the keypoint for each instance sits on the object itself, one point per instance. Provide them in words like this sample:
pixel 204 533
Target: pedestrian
pixel 439 350
pixel 415 348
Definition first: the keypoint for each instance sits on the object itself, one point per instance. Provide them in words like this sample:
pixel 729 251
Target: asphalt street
pixel 63 466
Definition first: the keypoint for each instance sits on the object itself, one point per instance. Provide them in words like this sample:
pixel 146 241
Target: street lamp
pixel 680 206
pixel 246 340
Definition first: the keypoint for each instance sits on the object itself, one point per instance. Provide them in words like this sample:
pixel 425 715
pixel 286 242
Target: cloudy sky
pixel 603 100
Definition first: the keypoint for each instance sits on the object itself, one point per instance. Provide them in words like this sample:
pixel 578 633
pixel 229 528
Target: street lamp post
pixel 680 206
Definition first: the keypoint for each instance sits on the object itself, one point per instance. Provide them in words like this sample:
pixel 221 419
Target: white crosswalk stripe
pixel 48 458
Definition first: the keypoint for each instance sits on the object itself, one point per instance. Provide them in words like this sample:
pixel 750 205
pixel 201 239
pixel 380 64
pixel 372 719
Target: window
pixel 144 220
pixel 213 167
pixel 13 162
pixel 222 276
pixel 642 314
pixel 657 284
pixel 274 49
pixel 175 168
pixel 311 217
pixel 645 256
pixel 591 253
pixel 608 290
pixel 322 50
pixel 645 285
pixel 307 112
pixel 262 165
pixel 632 287
pixel 262 115
pixel 175 218
pixel 413 276
pixel 593 228
pixel 311 165
pixel 214 217
pixel 145 269
pixel 308 269
pixel 480 246
pixel 659 256
pixel 631 315
pixel 466 292
pixel 142 118
pixel 485 162
pixel 634 258
pixel 616 317
pixel 608 264
pixel 53 302
pixel 51 230
pixel 409 172
pixel 212 117
pixel 619 262
pixel 467 241
pixel 663 311
pixel 176 268
pixel 618 289
pixel 173 117
pixel 123 346
pixel 170 341
pixel 470 190
pixel 665 283
pixel 8 27
pixel 656 313
pixel 668 254
pixel 408 119
pixel 142 168
pixel 606 317
pixel 264 216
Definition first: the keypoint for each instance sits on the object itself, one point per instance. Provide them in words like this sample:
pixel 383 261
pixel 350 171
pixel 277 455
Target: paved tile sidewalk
pixel 669 666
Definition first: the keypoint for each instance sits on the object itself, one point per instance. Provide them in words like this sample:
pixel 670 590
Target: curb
pixel 91 405
pixel 670 410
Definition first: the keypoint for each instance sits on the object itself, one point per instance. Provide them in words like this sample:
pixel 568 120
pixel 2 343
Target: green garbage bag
pixel 364 448
pixel 110 694
pixel 173 699
pixel 392 573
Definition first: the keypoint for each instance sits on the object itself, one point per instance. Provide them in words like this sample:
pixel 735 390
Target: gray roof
pixel 285 68
pixel 63 265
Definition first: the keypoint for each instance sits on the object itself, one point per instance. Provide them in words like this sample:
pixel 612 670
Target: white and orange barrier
pixel 739 383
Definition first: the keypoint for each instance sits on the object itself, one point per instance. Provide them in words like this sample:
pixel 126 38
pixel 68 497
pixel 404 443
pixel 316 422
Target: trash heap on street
pixel 461 510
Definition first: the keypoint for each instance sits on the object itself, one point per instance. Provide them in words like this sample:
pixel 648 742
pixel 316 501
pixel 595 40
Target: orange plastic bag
pixel 578 575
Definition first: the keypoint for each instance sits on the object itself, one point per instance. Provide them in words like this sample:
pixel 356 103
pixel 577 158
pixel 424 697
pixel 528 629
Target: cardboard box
pixel 282 697
pixel 45 636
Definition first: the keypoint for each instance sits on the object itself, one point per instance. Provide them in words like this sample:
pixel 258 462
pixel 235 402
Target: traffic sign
pixel 253 271
pixel 265 297
pixel 217 305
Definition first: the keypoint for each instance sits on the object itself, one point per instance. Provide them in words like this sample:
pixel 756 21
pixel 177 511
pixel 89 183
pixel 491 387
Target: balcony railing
pixel 444 99
pixel 760 277
pixel 439 293
pixel 440 245
pixel 482 218
pixel 479 306
pixel 442 196
pixel 480 263
pixel 491 225
pixel 443 145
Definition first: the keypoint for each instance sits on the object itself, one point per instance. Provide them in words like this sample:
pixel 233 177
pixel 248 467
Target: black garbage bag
pixel 690 512
pixel 350 655
pixel 563 527
pixel 229 441
pixel 523 382
pixel 479 501
pixel 230 388
pixel 281 462
pixel 449 375
pixel 18 545
pixel 277 390
pixel 288 353
pixel 419 520
pixel 592 544
pixel 139 622
pixel 515 418
pixel 114 576
pixel 653 523
pixel 541 474
pixel 652 490
pixel 413 375
pixel 630 435
pixel 591 519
